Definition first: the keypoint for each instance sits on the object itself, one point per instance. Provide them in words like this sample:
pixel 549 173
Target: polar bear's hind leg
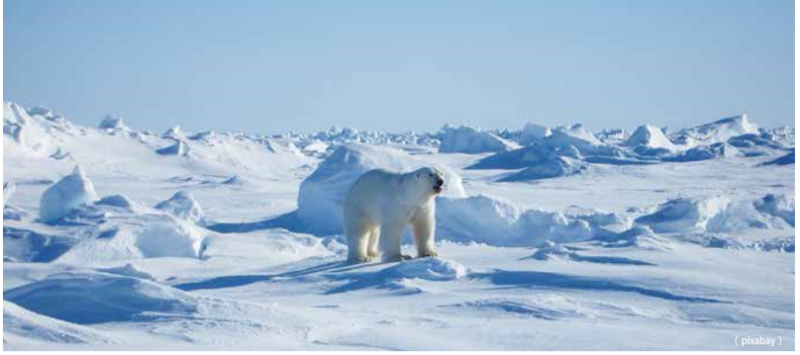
pixel 358 234
pixel 372 248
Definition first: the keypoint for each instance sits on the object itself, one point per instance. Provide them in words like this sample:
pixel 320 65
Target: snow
pixel 563 243
pixel 71 191
pixel 470 140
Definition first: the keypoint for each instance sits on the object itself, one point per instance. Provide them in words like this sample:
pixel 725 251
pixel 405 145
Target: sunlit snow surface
pixel 551 238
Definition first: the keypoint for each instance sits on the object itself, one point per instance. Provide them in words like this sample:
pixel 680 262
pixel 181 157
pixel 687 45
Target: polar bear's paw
pixel 428 254
pixel 372 254
pixel 359 259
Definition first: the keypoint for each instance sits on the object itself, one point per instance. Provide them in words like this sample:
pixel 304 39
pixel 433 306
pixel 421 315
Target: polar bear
pixel 381 204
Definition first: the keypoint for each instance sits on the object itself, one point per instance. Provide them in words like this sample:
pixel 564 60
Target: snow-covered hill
pixel 550 238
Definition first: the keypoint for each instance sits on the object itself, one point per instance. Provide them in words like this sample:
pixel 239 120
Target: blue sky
pixel 275 66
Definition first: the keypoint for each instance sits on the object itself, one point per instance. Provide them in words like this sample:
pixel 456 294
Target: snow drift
pixel 90 298
pixel 137 236
pixel 492 221
pixel 20 324
pixel 720 214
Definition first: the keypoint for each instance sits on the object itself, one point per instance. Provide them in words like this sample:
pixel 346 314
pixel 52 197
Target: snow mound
pixel 32 245
pixel 91 298
pixel 431 269
pixel 496 222
pixel 553 168
pixel 720 214
pixel 183 205
pixel 533 133
pixel 716 132
pixel 179 148
pixel 71 191
pixel 470 140
pixel 403 277
pixel 138 236
pixel 119 201
pixel 322 193
pixel 129 270
pixel 20 324
pixel 549 249
pixel 650 137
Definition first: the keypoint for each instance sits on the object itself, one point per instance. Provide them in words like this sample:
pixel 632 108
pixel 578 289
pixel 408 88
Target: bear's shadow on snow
pixel 244 280
pixel 537 279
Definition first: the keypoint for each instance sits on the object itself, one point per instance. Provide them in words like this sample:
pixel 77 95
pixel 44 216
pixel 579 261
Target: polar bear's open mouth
pixel 438 188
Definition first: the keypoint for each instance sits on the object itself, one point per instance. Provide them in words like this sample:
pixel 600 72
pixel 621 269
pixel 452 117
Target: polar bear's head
pixel 431 179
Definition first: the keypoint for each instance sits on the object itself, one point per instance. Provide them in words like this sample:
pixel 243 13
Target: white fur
pixel 381 204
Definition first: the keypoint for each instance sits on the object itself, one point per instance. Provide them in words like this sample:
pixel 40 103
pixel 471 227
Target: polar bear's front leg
pixel 424 225
pixel 390 241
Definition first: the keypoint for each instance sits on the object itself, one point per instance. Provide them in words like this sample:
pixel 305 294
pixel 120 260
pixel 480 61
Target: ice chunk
pixel 179 148
pixel 650 137
pixel 71 191
pixel 533 132
pixel 465 139
pixel 183 205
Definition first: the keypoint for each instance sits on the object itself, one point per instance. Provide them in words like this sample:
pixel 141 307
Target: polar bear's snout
pixel 438 186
